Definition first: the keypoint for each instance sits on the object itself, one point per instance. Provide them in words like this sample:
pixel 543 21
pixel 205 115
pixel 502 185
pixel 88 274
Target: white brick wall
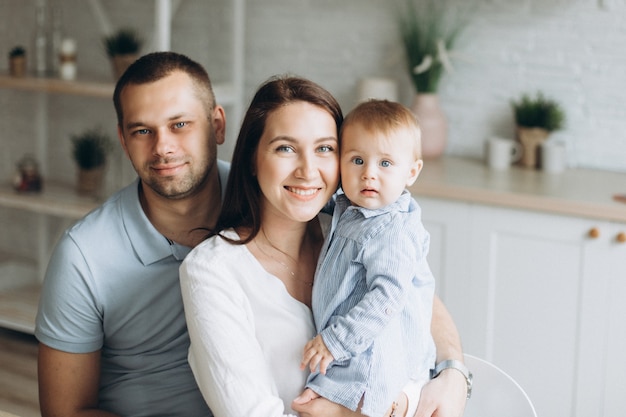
pixel 572 50
pixel 568 49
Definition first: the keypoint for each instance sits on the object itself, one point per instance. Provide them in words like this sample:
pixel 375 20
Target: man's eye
pixel 141 132
pixel 180 125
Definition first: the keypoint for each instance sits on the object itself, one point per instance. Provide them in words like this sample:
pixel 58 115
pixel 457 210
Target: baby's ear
pixel 416 168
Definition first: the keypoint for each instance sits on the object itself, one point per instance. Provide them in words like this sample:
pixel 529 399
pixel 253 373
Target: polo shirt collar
pixel 150 245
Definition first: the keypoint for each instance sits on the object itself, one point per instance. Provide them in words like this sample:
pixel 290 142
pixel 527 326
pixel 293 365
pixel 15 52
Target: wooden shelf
pixel 55 199
pixel 57 86
pixel 224 93
pixel 18 308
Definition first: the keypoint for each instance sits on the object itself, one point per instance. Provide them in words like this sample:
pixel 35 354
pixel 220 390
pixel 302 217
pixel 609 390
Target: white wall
pixel 572 50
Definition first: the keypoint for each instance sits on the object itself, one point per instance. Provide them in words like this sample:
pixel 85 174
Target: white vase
pixel 433 122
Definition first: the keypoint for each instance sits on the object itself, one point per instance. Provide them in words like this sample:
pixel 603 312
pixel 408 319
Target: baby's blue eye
pixel 357 161
pixel 385 164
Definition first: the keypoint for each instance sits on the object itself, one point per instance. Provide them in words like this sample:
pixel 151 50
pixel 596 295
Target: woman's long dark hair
pixel 241 206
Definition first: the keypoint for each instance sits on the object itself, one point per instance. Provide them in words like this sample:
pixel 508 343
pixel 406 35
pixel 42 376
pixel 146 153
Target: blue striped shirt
pixel 372 303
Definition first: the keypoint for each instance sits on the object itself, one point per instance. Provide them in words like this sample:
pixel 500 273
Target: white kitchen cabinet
pixel 540 297
pixel 447 223
pixel 20 278
pixel 602 361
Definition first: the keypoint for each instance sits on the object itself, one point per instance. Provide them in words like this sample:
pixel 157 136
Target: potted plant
pixel 90 149
pixel 17 61
pixel 122 47
pixel 535 118
pixel 429 29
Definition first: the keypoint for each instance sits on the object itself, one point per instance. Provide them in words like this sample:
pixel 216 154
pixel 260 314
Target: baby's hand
pixel 316 353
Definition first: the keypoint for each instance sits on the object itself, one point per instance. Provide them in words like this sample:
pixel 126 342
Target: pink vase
pixel 433 122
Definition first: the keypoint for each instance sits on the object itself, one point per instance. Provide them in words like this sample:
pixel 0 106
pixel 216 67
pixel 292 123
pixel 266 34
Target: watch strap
pixel 459 366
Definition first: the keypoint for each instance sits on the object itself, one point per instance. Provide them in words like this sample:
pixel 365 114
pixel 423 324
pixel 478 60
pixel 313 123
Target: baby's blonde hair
pixel 386 117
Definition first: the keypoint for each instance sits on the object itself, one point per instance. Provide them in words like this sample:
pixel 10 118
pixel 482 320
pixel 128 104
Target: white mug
pixel 501 153
pixel 553 157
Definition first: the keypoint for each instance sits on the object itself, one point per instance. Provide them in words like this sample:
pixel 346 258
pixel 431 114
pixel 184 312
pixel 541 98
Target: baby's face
pixel 376 168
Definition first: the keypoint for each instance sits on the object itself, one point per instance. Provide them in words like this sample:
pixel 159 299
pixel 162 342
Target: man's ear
pixel 120 136
pixel 218 121
pixel 416 168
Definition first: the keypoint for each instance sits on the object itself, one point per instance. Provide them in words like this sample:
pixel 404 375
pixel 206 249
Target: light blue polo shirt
pixel 112 284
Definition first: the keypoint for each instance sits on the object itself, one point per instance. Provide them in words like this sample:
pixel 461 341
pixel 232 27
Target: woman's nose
pixel 306 167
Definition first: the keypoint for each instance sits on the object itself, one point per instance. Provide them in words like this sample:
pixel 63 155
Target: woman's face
pixel 297 162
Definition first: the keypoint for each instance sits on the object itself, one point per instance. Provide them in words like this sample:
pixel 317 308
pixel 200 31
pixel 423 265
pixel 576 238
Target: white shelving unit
pixel 19 278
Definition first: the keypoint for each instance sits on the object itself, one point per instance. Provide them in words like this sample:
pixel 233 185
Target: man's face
pixel 168 135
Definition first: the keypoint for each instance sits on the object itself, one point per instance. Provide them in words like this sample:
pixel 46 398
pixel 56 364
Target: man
pixel 113 339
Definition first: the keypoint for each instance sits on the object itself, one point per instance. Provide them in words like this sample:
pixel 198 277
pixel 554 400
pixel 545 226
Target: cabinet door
pixel 612 260
pixel 526 300
pixel 448 225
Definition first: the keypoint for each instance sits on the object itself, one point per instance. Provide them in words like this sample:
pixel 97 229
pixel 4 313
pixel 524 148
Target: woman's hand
pixel 444 396
pixel 322 407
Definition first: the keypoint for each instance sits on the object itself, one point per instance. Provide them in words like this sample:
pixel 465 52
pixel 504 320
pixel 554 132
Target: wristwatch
pixel 459 366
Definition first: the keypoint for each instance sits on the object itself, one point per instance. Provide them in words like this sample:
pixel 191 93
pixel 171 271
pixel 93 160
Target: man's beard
pixel 175 188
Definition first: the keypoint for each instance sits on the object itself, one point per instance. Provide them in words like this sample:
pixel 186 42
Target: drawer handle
pixel 594 233
pixel 621 237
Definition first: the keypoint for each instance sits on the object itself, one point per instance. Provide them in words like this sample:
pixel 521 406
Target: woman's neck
pixel 290 253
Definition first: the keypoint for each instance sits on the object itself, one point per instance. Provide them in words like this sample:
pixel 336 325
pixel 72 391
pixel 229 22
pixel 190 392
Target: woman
pixel 247 289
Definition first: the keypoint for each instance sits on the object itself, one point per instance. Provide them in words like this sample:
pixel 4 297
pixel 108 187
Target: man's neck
pixel 185 221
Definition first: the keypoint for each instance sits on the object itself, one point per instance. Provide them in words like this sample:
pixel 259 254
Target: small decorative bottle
pixel 67 59
pixel 41 40
pixel 56 37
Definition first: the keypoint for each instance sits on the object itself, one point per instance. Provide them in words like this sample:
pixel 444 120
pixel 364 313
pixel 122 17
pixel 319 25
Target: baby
pixel 373 292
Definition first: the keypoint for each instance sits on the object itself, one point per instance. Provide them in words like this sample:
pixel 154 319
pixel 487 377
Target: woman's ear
pixel 414 172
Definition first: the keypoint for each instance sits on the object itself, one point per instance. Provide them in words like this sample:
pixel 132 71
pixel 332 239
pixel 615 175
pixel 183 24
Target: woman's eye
pixel 284 148
pixel 326 148
pixel 385 164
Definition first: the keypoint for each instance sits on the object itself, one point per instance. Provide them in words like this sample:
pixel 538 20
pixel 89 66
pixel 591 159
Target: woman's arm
pixel 444 396
pixel 227 361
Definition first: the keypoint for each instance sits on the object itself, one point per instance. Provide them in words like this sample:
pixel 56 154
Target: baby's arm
pixel 316 353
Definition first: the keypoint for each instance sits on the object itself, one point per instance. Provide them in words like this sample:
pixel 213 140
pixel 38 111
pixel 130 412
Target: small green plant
pixel 17 51
pixel 428 29
pixel 538 111
pixel 122 42
pixel 90 148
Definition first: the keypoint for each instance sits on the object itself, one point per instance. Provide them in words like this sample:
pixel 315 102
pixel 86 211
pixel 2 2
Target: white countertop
pixel 577 192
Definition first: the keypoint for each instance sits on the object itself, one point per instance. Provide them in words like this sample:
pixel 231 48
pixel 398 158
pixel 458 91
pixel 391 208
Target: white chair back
pixel 495 393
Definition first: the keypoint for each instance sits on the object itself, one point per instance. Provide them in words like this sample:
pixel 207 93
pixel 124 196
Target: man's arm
pixel 445 333
pixel 68 383
pixel 444 396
